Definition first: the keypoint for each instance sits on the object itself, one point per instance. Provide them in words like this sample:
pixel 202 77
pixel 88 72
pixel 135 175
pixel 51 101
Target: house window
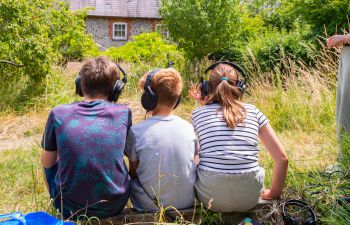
pixel 163 30
pixel 120 31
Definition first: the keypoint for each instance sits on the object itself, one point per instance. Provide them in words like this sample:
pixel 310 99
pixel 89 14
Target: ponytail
pixel 227 94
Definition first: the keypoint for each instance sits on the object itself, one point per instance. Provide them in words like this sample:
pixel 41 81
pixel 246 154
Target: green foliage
pixel 36 35
pixel 68 33
pixel 146 52
pixel 315 16
pixel 272 46
pixel 24 38
pixel 202 27
pixel 146 47
pixel 321 15
pixel 344 156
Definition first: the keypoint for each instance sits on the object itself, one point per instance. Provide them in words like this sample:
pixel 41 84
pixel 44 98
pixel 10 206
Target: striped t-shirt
pixel 223 149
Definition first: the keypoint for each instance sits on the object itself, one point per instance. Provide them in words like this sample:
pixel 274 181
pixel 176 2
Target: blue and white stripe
pixel 227 150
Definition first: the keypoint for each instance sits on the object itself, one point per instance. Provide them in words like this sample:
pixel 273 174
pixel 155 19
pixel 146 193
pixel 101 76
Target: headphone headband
pixel 117 87
pixel 234 65
pixel 149 98
pixel 311 220
pixel 149 78
pixel 241 84
pixel 124 79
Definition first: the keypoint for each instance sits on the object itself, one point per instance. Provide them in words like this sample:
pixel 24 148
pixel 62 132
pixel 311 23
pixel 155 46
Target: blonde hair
pixel 227 94
pixel 167 84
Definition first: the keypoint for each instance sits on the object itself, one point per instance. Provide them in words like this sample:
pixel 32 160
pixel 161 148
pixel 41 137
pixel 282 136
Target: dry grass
pixel 299 102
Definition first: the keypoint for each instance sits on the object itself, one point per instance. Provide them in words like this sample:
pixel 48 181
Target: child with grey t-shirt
pixel 161 149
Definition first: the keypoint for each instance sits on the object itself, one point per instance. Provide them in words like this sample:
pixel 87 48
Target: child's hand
pixel 196 159
pixel 336 40
pixel 268 195
pixel 196 94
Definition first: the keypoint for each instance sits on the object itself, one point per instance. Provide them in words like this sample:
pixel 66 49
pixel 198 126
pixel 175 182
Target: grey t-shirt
pixel 164 147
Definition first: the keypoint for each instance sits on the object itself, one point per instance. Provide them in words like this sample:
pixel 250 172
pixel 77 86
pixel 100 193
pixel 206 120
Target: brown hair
pixel 98 77
pixel 167 84
pixel 227 94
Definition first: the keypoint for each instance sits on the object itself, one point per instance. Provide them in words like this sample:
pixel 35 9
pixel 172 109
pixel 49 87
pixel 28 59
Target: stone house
pixel 114 22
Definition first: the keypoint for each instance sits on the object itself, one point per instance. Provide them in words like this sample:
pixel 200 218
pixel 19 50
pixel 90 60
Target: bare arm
pixel 337 40
pixel 280 161
pixel 49 158
pixel 196 154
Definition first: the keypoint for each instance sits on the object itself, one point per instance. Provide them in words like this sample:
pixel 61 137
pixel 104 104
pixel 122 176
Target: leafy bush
pixel 270 47
pixel 146 47
pixel 36 35
pixel 147 51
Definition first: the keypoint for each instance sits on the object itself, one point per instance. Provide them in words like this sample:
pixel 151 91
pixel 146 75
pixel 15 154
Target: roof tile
pixel 119 8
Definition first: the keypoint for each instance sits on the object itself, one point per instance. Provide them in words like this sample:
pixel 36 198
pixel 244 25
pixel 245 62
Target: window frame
pixel 159 30
pixel 125 38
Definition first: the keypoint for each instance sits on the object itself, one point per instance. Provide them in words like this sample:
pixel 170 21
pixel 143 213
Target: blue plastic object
pixel 35 218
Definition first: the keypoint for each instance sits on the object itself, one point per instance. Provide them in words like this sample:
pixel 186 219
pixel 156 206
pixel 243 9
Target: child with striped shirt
pixel 229 177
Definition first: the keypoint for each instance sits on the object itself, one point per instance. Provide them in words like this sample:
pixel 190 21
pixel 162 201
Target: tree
pixel 201 27
pixel 34 36
pixel 332 15
pixel 24 38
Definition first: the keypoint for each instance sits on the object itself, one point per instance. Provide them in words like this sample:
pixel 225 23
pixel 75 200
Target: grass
pixel 300 104
pixel 22 187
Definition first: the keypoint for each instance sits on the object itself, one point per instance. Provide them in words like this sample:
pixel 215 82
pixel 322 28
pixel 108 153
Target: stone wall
pixel 101 29
pixel 141 26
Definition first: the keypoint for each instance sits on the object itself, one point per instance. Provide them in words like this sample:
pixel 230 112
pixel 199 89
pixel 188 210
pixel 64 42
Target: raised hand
pixel 195 93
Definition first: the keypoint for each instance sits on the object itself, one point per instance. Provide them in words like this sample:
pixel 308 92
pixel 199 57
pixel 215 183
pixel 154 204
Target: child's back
pixel 229 177
pixel 161 149
pixel 164 147
pixel 84 147
pixel 225 149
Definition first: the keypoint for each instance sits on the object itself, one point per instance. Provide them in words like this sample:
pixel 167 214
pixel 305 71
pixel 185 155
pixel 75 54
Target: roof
pixel 119 8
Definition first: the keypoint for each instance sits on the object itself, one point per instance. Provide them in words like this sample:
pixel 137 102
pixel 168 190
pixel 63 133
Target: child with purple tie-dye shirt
pixel 84 147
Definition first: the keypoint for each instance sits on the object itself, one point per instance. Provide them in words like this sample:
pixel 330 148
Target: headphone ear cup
pixel 291 221
pixel 204 88
pixel 117 90
pixel 241 85
pixel 309 221
pixel 149 100
pixel 78 89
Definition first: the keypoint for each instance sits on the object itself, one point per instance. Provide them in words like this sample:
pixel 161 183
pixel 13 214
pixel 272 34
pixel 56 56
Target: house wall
pixel 101 29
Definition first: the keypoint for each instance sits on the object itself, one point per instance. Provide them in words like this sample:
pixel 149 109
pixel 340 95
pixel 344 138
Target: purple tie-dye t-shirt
pixel 90 139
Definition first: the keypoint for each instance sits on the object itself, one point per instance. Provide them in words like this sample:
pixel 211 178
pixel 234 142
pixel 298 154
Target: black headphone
pixel 149 97
pixel 241 84
pixel 289 220
pixel 117 88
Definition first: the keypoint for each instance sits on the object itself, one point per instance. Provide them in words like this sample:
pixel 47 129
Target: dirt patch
pixel 25 131
pixel 21 131
pixel 73 67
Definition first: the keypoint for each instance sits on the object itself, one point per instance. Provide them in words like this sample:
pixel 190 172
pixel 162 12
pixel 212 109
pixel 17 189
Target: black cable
pixel 155 199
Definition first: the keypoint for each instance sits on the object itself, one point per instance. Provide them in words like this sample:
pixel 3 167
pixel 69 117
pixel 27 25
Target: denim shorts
pixel 103 210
